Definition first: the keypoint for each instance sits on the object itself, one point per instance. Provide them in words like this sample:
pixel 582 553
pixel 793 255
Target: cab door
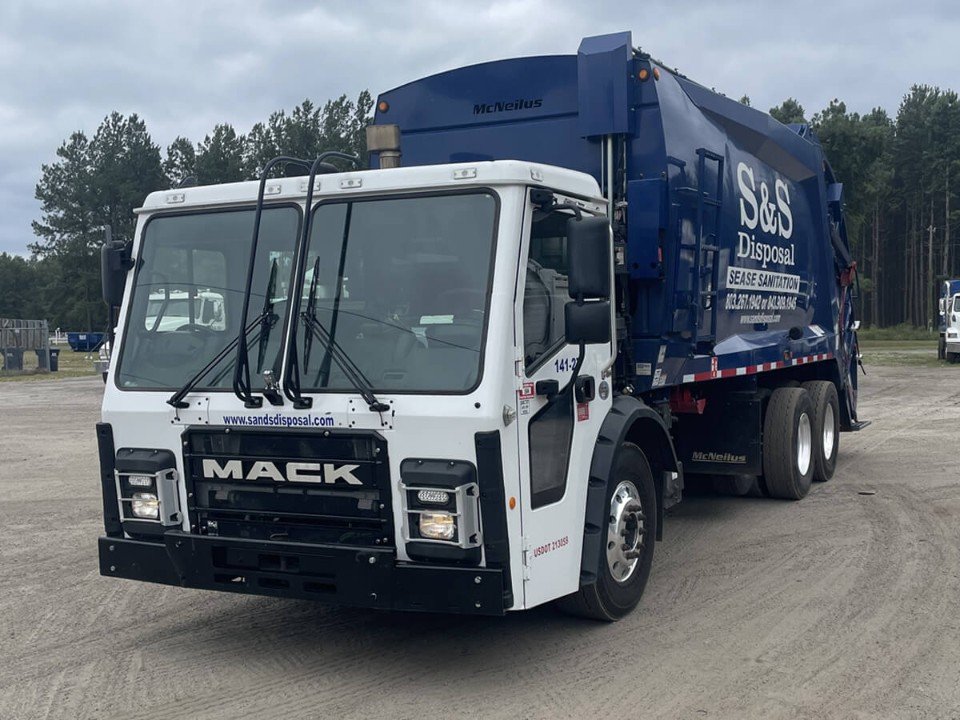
pixel 556 430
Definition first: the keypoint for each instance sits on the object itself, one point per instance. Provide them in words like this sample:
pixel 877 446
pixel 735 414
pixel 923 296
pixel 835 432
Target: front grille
pixel 307 486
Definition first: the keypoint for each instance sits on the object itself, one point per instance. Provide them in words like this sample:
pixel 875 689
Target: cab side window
pixel 545 290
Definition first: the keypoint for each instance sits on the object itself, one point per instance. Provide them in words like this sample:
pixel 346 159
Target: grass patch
pixel 897 332
pixel 902 352
pixel 72 364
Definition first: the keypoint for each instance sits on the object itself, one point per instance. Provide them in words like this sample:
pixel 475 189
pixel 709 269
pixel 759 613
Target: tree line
pixel 901 179
pixel 98 181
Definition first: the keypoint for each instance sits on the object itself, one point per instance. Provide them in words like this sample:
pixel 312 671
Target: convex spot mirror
pixel 587 323
pixel 114 264
pixel 587 317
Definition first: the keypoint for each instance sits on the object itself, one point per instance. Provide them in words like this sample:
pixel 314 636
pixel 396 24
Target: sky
pixel 186 66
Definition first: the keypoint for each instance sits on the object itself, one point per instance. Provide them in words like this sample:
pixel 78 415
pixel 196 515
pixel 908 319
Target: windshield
pixel 956 303
pixel 188 296
pixel 402 286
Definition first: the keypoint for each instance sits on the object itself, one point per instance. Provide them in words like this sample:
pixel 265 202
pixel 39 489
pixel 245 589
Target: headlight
pixel 146 505
pixel 433 497
pixel 436 526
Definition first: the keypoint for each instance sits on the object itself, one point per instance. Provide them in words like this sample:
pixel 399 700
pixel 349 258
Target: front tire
pixel 631 530
pixel 826 427
pixel 788 459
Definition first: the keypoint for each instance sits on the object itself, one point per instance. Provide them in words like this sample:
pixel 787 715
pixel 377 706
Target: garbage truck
pixel 948 327
pixel 473 376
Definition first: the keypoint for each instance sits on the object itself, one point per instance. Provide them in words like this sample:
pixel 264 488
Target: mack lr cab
pixel 473 377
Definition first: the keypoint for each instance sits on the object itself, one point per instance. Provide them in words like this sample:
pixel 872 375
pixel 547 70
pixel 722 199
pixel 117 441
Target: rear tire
pixel 622 572
pixel 788 458
pixel 826 427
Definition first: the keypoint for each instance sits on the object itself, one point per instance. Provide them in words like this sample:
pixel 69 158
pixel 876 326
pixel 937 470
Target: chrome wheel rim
pixel 625 531
pixel 804 444
pixel 829 434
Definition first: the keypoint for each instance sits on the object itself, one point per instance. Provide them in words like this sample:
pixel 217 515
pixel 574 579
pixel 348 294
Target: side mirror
pixel 588 251
pixel 587 323
pixel 587 317
pixel 115 261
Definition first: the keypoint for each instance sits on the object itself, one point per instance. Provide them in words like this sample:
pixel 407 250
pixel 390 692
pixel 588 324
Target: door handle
pixel 585 389
pixel 547 388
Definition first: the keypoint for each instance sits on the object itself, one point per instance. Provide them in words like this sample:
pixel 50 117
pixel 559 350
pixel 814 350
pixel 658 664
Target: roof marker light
pixel 347 183
pixel 174 198
pixel 383 106
pixel 644 74
pixel 273 189
pixel 464 173
pixel 656 73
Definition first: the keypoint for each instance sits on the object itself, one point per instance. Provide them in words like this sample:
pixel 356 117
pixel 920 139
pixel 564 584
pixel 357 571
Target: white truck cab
pixel 952 323
pixel 409 434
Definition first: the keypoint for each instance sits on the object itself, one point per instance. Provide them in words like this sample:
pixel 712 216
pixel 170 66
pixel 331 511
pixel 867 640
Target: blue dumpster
pixel 85 342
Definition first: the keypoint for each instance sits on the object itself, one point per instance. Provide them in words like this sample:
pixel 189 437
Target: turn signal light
pixel 433 497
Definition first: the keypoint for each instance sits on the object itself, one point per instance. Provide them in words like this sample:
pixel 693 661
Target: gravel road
pixel 843 605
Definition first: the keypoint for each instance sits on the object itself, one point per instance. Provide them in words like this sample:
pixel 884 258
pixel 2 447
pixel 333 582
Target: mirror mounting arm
pixel 547 201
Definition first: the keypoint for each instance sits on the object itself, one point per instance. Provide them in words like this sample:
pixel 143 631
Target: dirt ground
pixel 843 605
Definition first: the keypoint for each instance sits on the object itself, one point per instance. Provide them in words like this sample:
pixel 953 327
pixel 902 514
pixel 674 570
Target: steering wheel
pixel 196 328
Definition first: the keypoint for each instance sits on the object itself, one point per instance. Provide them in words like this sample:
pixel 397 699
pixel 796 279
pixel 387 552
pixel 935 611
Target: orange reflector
pixel 513 503
pixel 643 74
pixel 656 73
pixel 383 106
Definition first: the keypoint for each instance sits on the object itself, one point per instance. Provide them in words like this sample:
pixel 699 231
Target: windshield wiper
pixel 241 375
pixel 177 399
pixel 291 381
pixel 343 361
pixel 241 378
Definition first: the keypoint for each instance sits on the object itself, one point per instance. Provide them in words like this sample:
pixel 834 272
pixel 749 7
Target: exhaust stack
pixel 385 139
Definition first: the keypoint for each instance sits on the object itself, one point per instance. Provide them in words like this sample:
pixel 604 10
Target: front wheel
pixel 631 530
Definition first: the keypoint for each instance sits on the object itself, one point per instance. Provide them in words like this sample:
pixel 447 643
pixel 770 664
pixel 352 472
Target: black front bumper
pixel 361 577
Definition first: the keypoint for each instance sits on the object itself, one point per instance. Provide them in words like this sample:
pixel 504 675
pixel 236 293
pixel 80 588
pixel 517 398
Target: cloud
pixel 185 66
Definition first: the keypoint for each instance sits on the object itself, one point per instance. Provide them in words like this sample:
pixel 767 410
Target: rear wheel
pixel 826 427
pixel 624 564
pixel 788 460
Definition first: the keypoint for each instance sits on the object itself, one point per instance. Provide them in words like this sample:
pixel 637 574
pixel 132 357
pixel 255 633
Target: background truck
pixel 473 378
pixel 948 289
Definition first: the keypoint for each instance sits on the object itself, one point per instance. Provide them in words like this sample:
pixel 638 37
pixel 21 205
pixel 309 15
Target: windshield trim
pixel 491 269
pixel 128 302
